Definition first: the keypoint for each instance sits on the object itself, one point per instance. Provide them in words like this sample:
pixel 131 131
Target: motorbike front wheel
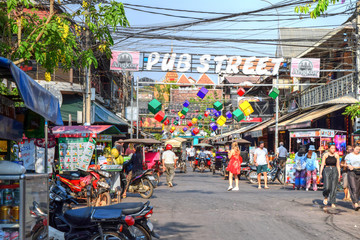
pixel 150 189
pixel 109 235
pixel 103 200
pixel 252 177
pixel 280 176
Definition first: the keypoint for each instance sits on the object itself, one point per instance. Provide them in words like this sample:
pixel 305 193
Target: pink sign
pixel 125 61
pixel 305 67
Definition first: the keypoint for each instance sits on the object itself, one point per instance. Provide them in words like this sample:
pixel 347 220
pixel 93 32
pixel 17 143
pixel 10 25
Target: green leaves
pixel 320 8
pixel 353 110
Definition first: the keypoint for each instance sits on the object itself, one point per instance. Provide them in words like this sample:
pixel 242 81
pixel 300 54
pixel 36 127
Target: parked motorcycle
pixel 273 174
pixel 38 230
pixel 91 185
pixel 95 223
pixel 158 171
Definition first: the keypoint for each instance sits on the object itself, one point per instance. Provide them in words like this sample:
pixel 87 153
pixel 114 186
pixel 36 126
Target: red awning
pixel 85 131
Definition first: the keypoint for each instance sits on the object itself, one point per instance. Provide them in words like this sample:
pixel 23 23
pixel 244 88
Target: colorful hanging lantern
pixel 217 114
pixel 274 93
pixel 200 117
pixel 218 106
pixel 184 111
pixel 189 123
pixel 229 114
pixel 213 126
pixel 241 92
pixel 221 120
pixel 206 114
pixel 186 103
pixel 195 131
pixel 182 117
pixel 159 116
pixel 238 115
pixel 246 108
pixel 184 129
pixel 154 106
pixel 166 122
pixel 202 93
pixel 194 121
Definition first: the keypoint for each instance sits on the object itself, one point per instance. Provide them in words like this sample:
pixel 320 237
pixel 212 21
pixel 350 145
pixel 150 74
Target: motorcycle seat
pixel 127 208
pixel 105 214
pixel 244 164
pixel 79 217
pixel 70 176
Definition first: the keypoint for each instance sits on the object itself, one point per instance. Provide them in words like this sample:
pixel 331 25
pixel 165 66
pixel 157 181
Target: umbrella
pixel 220 143
pixel 180 139
pixel 241 141
pixel 203 145
pixel 174 143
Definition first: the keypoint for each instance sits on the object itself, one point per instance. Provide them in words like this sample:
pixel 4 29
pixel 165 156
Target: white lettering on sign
pixel 251 65
pixel 151 62
pixel 204 60
pixel 168 63
pixel 185 61
pixel 233 67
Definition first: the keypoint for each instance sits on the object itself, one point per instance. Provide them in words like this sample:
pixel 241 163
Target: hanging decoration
pixel 159 116
pixel 218 106
pixel 154 106
pixel 221 120
pixel 186 103
pixel 246 108
pixel 241 92
pixel 238 115
pixel 213 126
pixel 202 93
pixel 274 93
pixel 229 115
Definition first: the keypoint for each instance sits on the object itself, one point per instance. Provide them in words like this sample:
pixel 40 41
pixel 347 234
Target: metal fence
pixel 336 88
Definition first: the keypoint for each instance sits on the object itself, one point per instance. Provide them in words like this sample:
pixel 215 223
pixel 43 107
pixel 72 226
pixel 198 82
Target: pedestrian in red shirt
pixel 234 166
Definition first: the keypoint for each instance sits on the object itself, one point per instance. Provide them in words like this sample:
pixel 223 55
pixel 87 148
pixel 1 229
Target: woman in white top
pixel 353 165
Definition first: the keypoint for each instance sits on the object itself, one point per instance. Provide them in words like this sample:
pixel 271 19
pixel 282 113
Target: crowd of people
pixel 332 170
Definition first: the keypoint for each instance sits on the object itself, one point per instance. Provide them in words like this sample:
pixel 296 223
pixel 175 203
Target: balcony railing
pixel 336 88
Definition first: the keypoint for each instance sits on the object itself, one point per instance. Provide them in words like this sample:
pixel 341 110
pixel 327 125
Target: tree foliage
pixel 57 38
pixel 353 110
pixel 317 8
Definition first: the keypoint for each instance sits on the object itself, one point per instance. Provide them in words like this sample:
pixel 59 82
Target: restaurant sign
pixel 125 61
pixel 313 133
pixel 305 67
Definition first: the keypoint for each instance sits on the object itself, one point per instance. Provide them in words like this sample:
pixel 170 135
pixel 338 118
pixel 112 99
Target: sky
pixel 261 26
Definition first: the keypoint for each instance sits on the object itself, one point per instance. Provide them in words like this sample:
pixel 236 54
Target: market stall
pixel 320 138
pixel 24 117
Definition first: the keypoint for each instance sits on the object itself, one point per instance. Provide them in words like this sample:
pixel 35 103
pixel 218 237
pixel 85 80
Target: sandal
pixel 266 187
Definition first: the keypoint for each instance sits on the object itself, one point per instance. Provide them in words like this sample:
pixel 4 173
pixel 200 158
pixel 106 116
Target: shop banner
pixel 125 61
pixel 327 133
pixel 305 67
pixel 40 159
pixel 75 153
pixel 27 154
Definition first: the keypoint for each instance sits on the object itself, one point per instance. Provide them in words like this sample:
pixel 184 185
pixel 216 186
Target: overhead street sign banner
pixel 305 67
pixel 206 63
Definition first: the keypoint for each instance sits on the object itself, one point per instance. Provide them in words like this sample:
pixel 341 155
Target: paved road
pixel 199 207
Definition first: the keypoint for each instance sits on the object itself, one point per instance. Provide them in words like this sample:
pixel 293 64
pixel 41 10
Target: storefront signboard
pixel 305 67
pixel 327 133
pixel 104 138
pixel 304 134
pixel 125 61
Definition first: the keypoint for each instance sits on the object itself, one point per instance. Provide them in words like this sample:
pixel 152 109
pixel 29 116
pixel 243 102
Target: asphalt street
pixel 200 207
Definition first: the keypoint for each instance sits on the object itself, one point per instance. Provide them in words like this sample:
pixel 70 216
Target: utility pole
pixel 137 106
pixel 87 104
pixel 357 53
pixel 277 115
pixel 132 107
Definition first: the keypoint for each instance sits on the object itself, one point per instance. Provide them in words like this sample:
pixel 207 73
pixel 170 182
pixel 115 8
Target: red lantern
pixel 241 92
pixel 206 114
pixel 166 122
pixel 183 117
pixel 195 131
pixel 159 116
pixel 189 123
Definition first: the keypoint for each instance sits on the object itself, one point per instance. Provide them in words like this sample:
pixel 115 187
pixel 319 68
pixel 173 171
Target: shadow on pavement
pixel 175 230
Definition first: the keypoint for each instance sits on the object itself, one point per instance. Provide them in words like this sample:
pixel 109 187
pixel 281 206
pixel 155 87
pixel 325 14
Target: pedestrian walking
pixel 300 166
pixel 281 154
pixel 130 149
pixel 344 174
pixel 169 164
pixel 191 155
pixel 353 165
pixel 330 170
pixel 312 166
pixel 261 160
pixel 234 166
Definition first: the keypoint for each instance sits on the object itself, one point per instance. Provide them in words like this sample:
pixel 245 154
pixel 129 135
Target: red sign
pixel 250 119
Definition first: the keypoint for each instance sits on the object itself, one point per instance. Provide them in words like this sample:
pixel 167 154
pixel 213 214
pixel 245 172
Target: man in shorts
pixel 344 173
pixel 191 154
pixel 261 160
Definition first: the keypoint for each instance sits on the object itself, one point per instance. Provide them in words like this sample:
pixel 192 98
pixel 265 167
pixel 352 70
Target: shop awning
pixel 257 132
pixel 74 103
pixel 81 131
pixel 35 97
pixel 304 120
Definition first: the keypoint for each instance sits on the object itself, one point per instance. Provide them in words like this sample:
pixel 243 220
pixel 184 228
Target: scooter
pixel 142 183
pixel 273 174
pixel 110 222
pixel 201 163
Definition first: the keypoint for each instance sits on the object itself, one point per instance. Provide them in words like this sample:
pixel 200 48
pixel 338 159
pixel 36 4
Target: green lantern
pixel 274 93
